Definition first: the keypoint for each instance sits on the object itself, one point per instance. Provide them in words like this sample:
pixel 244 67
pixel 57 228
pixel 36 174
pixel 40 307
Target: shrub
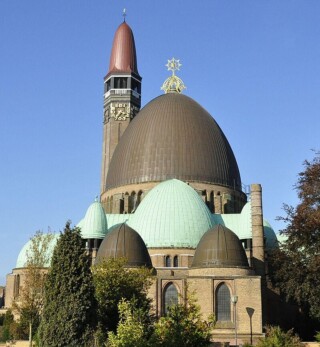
pixel 275 337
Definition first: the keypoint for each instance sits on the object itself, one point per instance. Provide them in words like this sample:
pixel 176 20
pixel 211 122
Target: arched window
pixel 204 196
pixel 170 297
pixel 211 202
pixel 132 202
pixel 139 198
pixel 223 303
pixel 126 202
pixel 108 205
pixel 17 286
pixel 168 261
pixel 175 261
pixel 111 204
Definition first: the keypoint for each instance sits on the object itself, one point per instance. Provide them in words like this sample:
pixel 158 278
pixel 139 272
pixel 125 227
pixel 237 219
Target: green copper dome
pixel 270 236
pixel 94 225
pixel 241 224
pixel 23 255
pixel 171 215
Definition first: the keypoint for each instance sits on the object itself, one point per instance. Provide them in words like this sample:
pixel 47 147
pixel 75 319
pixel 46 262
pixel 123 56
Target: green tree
pixel 183 326
pixel 6 333
pixel 114 282
pixel 131 330
pixel 29 303
pixel 69 306
pixel 275 337
pixel 296 265
pixel 20 328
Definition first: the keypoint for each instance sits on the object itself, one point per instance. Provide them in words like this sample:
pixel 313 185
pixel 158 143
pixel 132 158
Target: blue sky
pixel 254 65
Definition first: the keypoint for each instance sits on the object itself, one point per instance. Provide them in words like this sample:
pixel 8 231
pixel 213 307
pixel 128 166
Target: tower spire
pixel 122 93
pixel 123 56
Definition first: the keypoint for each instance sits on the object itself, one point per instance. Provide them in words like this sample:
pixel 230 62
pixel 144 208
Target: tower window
pixel 135 86
pixel 121 82
pixel 168 261
pixel 108 85
pixel 170 297
pixel 223 303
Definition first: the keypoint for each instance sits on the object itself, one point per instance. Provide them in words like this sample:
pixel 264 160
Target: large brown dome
pixel 173 137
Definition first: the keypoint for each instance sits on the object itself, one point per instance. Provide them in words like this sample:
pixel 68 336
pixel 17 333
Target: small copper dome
pixel 123 55
pixel 220 247
pixel 124 242
pixel 173 137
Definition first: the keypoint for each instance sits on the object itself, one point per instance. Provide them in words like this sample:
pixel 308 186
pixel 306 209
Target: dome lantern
pixel 94 224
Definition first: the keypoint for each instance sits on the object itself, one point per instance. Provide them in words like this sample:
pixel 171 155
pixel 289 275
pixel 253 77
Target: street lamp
pixel 234 300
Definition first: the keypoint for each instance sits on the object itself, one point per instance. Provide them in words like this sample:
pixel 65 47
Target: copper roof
pixel 220 247
pixel 124 242
pixel 123 55
pixel 173 137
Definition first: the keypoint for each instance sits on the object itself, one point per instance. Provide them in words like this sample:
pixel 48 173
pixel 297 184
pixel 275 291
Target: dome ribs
pixel 173 137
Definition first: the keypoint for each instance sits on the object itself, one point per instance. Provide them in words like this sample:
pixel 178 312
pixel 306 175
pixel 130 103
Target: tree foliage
pixel 11 329
pixel 275 337
pixel 6 328
pixel 132 329
pixel 183 326
pixel 68 312
pixel 29 303
pixel 114 282
pixel 296 265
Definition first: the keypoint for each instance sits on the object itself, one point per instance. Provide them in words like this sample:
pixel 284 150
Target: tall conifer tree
pixel 68 313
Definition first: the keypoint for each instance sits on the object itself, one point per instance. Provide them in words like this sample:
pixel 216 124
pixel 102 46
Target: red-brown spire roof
pixel 123 55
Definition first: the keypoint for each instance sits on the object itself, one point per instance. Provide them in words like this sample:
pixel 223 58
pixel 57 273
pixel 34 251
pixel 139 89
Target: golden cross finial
pixel 173 84
pixel 173 65
pixel 124 13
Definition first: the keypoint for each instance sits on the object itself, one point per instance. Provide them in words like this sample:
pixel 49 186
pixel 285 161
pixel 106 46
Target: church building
pixel 172 199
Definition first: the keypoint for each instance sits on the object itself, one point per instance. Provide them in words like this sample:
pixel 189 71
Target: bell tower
pixel 122 94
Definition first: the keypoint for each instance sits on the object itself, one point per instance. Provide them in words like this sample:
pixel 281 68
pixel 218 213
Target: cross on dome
pixel 173 84
pixel 173 65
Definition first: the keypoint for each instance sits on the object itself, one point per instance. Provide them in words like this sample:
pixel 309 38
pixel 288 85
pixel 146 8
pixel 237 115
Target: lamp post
pixel 234 300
